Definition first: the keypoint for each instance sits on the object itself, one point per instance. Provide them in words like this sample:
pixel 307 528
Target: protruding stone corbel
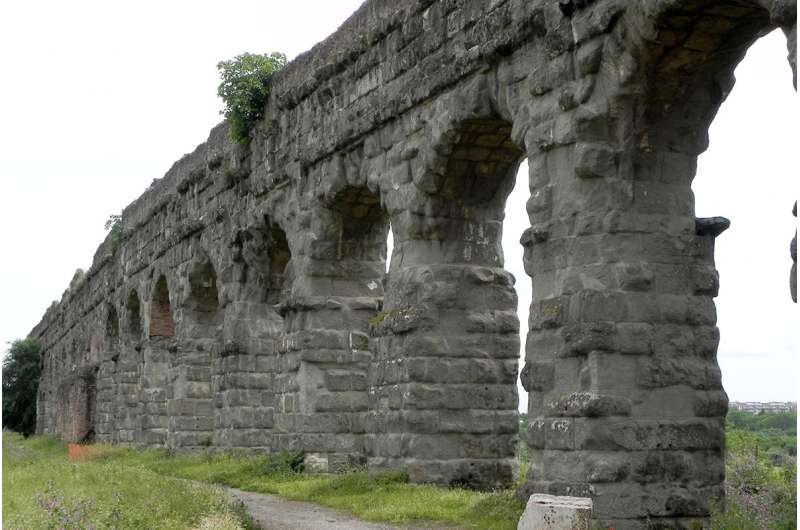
pixel 711 226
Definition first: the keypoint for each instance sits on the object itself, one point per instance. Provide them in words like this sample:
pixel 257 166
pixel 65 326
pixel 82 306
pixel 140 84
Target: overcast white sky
pixel 98 98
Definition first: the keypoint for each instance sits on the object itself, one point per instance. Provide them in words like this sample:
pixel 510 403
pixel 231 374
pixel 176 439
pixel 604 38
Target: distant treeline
pixel 771 433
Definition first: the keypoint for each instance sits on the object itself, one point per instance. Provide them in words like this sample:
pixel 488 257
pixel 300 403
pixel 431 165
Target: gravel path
pixel 275 513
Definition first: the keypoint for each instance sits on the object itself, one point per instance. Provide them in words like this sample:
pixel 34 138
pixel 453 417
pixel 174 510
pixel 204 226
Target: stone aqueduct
pixel 248 306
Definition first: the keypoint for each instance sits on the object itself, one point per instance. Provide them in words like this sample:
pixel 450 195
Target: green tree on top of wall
pixel 21 372
pixel 245 88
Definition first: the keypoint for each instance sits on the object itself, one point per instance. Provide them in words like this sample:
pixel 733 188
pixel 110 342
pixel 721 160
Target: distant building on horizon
pixel 757 406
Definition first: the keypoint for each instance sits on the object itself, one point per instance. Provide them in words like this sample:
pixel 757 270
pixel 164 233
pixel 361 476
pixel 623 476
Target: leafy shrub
pixel 21 372
pixel 286 462
pixel 245 88
pixel 761 487
pixel 114 223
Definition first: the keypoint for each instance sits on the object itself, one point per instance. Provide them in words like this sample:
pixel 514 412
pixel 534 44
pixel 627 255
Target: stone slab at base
pixel 550 512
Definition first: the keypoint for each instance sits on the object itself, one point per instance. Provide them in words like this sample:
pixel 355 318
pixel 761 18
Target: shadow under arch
pixel 133 311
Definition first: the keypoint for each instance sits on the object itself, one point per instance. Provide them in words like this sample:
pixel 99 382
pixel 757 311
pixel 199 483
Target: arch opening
pixel 279 257
pixel 363 227
pixel 623 316
pixel 134 320
pixel 691 71
pixel 112 324
pixel 204 296
pixel 162 324
pixel 266 254
pixel 750 155
pixel 449 331
pixel 481 169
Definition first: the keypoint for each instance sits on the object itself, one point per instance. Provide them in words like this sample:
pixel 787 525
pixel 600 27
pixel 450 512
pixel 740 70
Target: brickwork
pixel 255 312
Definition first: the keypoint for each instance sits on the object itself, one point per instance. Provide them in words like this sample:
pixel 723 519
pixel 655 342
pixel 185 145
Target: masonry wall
pixel 249 306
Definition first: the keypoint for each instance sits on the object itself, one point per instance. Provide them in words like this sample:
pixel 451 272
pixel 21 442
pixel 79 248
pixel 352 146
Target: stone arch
pixel 687 68
pixel 265 252
pixel 450 308
pixel 253 335
pixel 158 356
pixel 203 302
pixel 338 288
pixel 127 424
pixel 481 163
pixel 626 402
pixel 134 315
pixel 162 323
pixel 190 388
pixel 362 224
pixel 279 257
pixel 106 377
pixel 112 325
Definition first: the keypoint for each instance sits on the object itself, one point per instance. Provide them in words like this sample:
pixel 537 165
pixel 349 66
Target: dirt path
pixel 275 513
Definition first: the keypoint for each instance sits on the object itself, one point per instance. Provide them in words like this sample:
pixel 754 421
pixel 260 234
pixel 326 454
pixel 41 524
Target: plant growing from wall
pixel 21 372
pixel 245 88
pixel 114 223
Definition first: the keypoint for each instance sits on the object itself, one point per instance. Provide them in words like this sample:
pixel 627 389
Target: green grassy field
pixel 123 488
pixel 42 488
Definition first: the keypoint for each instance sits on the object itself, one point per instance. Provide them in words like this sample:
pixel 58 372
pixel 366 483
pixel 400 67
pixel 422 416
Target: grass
pixel 385 498
pixel 43 489
pixel 155 497
pixel 124 488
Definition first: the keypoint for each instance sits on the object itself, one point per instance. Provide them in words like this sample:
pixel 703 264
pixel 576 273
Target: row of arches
pixel 165 376
pixel 161 319
pixel 622 282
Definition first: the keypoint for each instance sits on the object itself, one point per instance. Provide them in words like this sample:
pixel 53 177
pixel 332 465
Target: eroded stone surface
pixel 249 307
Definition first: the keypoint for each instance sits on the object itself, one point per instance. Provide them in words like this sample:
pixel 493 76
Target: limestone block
pixel 549 512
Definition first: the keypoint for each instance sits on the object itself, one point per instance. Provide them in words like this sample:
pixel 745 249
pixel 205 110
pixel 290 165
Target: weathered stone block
pixel 538 376
pixel 588 405
pixel 548 512
pixel 595 161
